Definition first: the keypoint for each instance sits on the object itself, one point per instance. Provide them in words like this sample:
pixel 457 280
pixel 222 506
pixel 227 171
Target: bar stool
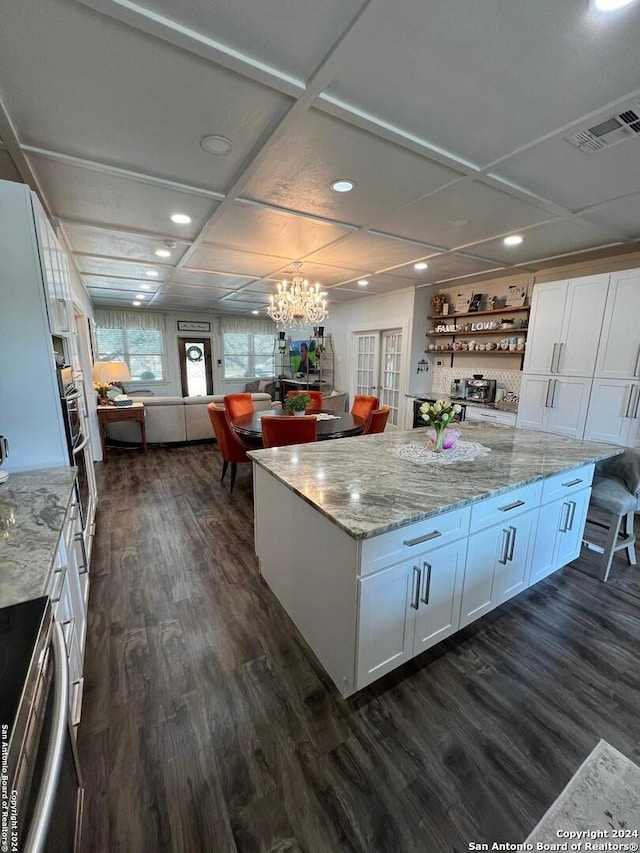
pixel 616 491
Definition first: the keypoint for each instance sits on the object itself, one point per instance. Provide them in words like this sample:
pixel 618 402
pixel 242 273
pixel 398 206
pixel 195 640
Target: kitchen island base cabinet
pixel 405 609
pixel 559 534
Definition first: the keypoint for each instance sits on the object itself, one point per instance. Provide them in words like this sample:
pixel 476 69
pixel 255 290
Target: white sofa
pixel 172 420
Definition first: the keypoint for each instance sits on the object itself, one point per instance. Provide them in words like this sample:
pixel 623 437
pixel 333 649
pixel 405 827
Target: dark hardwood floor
pixel 209 726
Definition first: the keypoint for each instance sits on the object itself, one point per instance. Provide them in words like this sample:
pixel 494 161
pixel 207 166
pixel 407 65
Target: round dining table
pixel 249 427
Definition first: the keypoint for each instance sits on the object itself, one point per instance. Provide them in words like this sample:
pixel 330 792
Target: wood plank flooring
pixel 209 726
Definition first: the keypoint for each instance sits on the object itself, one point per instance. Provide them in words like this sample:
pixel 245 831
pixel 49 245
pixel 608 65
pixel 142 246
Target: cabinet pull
pixel 411 542
pixel 416 588
pixel 564 525
pixel 486 415
pixel 553 394
pixel 546 400
pixel 636 371
pixel 626 411
pixel 559 357
pixel 512 543
pixel 514 505
pixel 56 593
pixel 572 514
pixel 553 358
pixel 635 411
pixel 572 483
pixel 505 546
pixel 427 583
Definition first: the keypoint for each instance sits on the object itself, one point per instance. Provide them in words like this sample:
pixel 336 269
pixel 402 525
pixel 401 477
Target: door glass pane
pixel 390 369
pixel 195 368
pixel 365 363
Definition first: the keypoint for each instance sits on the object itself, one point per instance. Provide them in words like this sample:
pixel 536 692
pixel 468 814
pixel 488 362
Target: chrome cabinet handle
pixel 572 514
pixel 572 483
pixel 411 542
pixel 37 836
pixel 514 505
pixel 553 394
pixel 505 545
pixel 512 544
pixel 635 411
pixel 553 358
pixel 546 400
pixel 559 357
pixel 56 593
pixel 427 583
pixel 636 371
pixel 564 525
pixel 416 588
pixel 626 411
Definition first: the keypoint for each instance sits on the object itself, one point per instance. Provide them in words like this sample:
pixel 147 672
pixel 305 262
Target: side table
pixel 111 414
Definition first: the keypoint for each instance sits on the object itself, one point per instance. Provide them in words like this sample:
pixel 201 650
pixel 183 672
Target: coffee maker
pixel 481 390
pixel 458 389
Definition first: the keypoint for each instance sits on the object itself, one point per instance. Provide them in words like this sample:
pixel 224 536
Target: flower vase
pixel 437 444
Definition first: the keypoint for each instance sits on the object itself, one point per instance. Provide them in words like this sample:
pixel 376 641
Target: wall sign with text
pixel 194 326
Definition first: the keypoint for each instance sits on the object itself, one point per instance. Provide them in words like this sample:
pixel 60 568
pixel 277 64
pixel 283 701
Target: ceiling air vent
pixel 625 125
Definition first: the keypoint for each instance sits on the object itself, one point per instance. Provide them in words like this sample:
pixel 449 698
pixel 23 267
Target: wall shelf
pixel 475 352
pixel 503 332
pixel 480 313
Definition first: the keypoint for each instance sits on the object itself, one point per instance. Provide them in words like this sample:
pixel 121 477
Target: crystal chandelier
pixel 297 305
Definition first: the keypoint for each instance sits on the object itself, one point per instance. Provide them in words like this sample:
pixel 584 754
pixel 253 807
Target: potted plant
pixel 296 404
pixel 101 389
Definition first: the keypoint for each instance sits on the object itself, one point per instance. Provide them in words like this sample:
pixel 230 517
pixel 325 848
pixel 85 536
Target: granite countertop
pixel 362 488
pixel 33 505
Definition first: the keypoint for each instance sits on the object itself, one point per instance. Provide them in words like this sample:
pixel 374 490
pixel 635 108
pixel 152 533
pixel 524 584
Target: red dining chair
pixel 289 429
pixel 238 405
pixel 316 400
pixel 363 405
pixel 377 420
pixel 232 449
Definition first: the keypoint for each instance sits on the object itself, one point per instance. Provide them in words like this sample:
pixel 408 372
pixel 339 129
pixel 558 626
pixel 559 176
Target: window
pixel 248 348
pixel 134 338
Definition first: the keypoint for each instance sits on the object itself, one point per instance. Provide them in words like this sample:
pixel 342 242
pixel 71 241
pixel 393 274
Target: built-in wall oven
pixel 44 793
pixel 78 438
pixel 417 416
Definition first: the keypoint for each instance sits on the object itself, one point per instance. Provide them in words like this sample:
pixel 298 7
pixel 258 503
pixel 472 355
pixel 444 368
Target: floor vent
pixel 612 131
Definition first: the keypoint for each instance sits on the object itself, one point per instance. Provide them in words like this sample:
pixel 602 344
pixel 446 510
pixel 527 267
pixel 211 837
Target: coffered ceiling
pixel 450 118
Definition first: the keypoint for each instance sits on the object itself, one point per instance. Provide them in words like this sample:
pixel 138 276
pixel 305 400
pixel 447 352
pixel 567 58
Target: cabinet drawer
pixel 404 543
pixel 507 505
pixel 562 484
pixel 490 416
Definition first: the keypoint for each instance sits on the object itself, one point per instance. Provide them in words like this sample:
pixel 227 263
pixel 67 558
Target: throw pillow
pixel 263 384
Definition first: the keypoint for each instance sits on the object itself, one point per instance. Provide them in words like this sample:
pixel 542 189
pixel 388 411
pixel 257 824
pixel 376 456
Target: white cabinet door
pixel 479 592
pixel 634 434
pixel 545 326
pixel 535 393
pixel 572 528
pixel 611 409
pixel 387 603
pixel 514 563
pixel 619 351
pixel 559 534
pixel 438 613
pixel 568 406
pixel 581 325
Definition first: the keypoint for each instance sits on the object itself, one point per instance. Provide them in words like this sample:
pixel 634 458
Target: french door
pixel 377 367
pixel 195 366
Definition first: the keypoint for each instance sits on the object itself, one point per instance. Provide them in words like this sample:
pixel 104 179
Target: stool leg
pixel 630 535
pixel 609 546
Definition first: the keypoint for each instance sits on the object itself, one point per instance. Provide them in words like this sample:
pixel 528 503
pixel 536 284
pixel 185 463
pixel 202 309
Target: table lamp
pixel 110 373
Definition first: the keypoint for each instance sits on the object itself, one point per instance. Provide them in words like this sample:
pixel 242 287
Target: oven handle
pixel 81 446
pixel 37 836
pixel 74 395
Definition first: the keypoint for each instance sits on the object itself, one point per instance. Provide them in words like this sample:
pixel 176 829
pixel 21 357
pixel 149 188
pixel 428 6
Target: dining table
pixel 341 425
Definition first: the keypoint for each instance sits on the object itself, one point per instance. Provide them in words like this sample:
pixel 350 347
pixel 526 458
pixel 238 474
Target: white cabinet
pixel 557 404
pixel 559 533
pixel 475 413
pixel 55 274
pixel 614 411
pixel 619 351
pixel 498 566
pixel 407 608
pixel 564 326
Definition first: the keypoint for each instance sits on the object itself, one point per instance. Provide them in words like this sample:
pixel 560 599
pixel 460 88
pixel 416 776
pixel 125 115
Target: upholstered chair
pixel 238 405
pixel 316 400
pixel 377 420
pixel 232 449
pixel 289 429
pixel 363 405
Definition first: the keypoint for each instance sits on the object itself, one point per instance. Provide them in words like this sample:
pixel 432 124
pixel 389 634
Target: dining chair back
pixel 377 420
pixel 316 400
pixel 232 449
pixel 238 405
pixel 278 431
pixel 363 405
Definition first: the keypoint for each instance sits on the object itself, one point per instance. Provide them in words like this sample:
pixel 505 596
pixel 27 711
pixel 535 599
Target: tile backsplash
pixel 444 376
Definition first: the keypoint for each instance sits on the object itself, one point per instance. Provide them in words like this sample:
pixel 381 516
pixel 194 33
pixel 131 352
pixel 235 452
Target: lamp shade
pixel 111 371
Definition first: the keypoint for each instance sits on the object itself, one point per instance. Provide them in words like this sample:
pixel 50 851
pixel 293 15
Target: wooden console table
pixel 111 414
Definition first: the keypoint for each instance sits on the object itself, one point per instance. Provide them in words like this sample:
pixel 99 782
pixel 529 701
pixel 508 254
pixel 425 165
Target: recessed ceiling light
pixel 513 240
pixel 145 287
pixel 255 311
pixel 163 253
pixel 363 282
pixel 136 303
pixel 344 185
pixel 420 265
pixel 180 218
pixel 140 295
pixel 216 144
pixel 458 223
pixel 610 5
pixel 151 273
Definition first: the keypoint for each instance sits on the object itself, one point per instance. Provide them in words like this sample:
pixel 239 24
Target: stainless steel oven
pixel 45 803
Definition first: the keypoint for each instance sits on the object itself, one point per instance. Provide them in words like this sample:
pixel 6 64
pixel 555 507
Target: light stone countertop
pixel 33 505
pixel 365 490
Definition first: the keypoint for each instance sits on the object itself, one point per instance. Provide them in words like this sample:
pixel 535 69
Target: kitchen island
pixel 377 558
